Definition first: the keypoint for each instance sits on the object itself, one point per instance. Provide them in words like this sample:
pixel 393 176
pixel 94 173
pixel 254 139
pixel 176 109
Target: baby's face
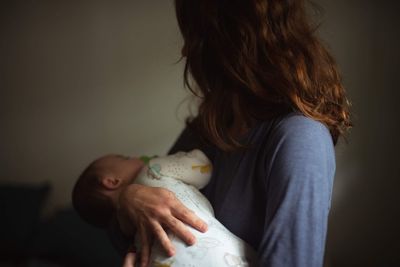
pixel 122 167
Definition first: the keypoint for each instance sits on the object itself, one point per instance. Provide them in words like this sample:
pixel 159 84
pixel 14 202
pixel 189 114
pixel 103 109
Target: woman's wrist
pixel 122 211
pixel 126 226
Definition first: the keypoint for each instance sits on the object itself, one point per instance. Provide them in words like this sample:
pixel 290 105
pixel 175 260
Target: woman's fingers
pixel 154 210
pixel 180 229
pixel 189 217
pixel 162 237
pixel 145 246
pixel 129 260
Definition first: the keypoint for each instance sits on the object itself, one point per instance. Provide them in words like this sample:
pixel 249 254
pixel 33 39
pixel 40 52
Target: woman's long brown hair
pixel 255 59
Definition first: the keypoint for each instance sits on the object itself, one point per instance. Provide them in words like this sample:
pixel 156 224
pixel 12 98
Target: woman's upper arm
pixel 298 189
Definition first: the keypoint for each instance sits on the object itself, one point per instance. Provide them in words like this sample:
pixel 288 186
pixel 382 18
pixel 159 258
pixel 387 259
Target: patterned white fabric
pixel 185 173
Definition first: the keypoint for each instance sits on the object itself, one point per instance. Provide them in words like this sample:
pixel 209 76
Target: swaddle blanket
pixel 185 173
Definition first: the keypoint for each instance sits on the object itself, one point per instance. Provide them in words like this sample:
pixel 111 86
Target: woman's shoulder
pixel 298 145
pixel 296 137
pixel 297 122
pixel 297 127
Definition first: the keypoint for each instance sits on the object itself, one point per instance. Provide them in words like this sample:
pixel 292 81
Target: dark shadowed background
pixel 79 79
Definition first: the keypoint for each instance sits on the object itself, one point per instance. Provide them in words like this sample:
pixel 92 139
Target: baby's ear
pixel 111 182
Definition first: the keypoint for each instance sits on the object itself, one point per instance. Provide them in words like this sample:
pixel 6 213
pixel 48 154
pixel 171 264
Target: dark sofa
pixel 62 240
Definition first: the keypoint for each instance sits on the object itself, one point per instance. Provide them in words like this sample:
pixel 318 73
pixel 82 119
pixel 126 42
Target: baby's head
pixel 97 190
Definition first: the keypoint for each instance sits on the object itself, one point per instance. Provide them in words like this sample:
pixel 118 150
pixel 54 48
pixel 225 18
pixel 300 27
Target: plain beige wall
pixel 82 78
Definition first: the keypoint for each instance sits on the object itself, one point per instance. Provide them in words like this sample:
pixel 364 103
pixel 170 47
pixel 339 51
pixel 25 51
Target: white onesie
pixel 185 173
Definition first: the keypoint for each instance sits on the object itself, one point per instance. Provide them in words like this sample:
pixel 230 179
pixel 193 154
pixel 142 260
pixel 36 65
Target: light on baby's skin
pixel 123 157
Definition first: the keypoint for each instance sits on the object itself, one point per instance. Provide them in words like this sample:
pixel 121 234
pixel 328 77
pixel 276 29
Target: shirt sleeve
pixel 298 188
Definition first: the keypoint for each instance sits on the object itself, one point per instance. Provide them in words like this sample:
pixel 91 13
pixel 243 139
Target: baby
pixel 97 191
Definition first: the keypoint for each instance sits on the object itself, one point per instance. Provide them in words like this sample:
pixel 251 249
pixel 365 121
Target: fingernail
pixel 192 240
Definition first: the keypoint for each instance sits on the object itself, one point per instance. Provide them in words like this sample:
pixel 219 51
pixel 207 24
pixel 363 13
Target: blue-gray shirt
pixel 276 194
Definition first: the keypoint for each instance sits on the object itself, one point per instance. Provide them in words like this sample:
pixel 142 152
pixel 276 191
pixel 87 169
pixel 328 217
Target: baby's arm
pixel 192 168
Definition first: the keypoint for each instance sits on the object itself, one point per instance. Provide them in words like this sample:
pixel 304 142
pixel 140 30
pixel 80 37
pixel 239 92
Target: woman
pixel 272 108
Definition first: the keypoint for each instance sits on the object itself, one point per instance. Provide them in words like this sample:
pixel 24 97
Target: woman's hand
pixel 152 210
pixel 129 260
